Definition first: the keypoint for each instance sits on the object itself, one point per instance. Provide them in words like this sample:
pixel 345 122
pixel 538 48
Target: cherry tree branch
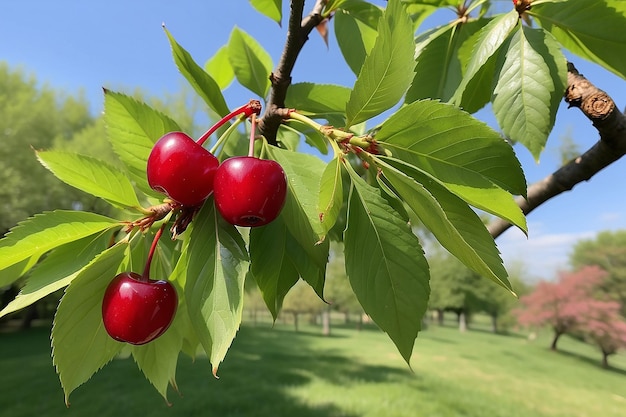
pixel 610 123
pixel 298 31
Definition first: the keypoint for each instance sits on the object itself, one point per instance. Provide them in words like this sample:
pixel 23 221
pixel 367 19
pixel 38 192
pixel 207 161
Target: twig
pixel 297 34
pixel 610 123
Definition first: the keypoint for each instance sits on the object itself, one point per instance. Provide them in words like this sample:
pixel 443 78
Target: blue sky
pixel 84 46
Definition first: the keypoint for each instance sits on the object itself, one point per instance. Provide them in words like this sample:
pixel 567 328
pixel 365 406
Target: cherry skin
pixel 137 311
pixel 181 169
pixel 250 191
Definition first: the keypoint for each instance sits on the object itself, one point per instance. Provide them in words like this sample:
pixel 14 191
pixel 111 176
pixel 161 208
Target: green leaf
pixel 592 29
pixel 385 265
pixel 92 176
pixel 330 194
pixel 202 83
pixel 438 72
pixel 270 264
pixel 80 344
pixel 466 155
pixel 531 83
pixel 15 271
pixel 304 173
pixel 57 270
pixel 218 67
pixel 455 225
pixel 491 38
pixel 217 263
pixel 133 127
pixel 251 63
pixel 307 247
pixel 355 36
pixel 317 100
pixel 387 71
pixel 39 234
pixel 269 8
pixel 313 137
pixel 158 359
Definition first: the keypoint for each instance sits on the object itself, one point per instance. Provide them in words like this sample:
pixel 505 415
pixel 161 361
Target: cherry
pixel 250 191
pixel 138 310
pixel 181 169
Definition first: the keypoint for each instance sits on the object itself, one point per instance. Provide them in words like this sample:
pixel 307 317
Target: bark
pixel 326 322
pixel 555 340
pixel 605 359
pixel 462 321
pixel 298 32
pixel 494 323
pixel 610 123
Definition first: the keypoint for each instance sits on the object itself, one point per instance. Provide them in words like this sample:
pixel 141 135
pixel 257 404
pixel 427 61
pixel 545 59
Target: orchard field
pixel 278 372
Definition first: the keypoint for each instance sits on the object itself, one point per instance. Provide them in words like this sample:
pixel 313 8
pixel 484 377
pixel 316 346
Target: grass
pixel 277 372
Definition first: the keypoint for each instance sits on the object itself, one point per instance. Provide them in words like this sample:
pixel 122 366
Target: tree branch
pixel 611 124
pixel 297 34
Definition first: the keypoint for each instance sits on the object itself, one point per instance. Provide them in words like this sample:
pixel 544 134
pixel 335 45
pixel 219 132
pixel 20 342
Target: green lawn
pixel 276 372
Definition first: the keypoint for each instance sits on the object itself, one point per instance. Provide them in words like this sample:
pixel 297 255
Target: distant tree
pixel 495 301
pixel 301 300
pixel 561 305
pixel 451 285
pixel 337 288
pixel 34 117
pixel 603 325
pixel 608 251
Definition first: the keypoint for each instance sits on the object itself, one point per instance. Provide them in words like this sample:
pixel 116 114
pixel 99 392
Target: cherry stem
pixel 252 135
pixel 146 272
pixel 252 107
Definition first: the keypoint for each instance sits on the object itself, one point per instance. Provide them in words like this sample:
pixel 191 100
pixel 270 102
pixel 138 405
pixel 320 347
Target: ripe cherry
pixel 138 310
pixel 181 169
pixel 250 191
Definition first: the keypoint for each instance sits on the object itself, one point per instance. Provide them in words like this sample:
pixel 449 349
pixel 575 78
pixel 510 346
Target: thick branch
pixel 297 34
pixel 611 124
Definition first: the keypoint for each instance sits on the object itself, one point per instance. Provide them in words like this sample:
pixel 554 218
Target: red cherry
pixel 181 169
pixel 137 311
pixel 250 191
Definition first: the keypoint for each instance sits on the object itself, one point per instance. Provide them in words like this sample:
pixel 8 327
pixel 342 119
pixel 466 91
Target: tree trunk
pixel 605 359
pixel 295 321
pixel 462 321
pixel 359 323
pixel 555 340
pixel 326 322
pixel 494 323
pixel 440 317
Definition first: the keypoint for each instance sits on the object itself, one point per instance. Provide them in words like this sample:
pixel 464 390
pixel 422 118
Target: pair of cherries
pixel 248 191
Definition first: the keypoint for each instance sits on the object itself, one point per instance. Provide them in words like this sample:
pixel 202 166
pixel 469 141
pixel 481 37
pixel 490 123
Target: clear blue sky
pixel 83 46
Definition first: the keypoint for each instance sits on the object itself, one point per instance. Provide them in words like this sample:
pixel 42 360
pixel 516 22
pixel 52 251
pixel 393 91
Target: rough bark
pixel 600 109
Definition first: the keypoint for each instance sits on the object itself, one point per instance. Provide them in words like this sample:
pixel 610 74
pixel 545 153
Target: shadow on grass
pixel 261 368
pixel 594 362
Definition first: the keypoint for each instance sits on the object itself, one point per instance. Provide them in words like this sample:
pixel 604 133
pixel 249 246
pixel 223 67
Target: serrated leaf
pixel 57 270
pixel 355 38
pixel 270 265
pixel 304 173
pixel 388 69
pixel 385 265
pixel 531 83
pixel 200 81
pixel 80 344
pixel 466 155
pixel 133 127
pixel 438 72
pixel 491 38
pixel 251 63
pixel 217 263
pixel 92 176
pixel 158 359
pixel 270 8
pixel 455 225
pixel 330 194
pixel 317 100
pixel 39 234
pixel 218 67
pixel 305 244
pixel 592 29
